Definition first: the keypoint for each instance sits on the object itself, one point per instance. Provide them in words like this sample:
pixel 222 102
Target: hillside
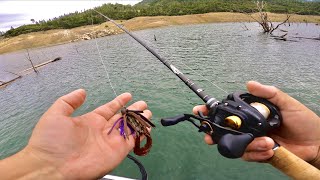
pixel 57 36
pixel 165 8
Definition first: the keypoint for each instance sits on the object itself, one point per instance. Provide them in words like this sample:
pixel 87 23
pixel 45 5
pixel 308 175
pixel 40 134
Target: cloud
pixel 4 18
pixel 12 20
pixel 16 13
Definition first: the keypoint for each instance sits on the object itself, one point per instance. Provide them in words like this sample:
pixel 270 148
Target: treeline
pixel 182 7
pixel 164 7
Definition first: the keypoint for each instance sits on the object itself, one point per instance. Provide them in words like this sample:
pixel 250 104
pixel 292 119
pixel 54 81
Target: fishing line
pixel 181 88
pixel 78 50
pixel 188 67
pixel 144 175
pixel 101 60
pixel 84 56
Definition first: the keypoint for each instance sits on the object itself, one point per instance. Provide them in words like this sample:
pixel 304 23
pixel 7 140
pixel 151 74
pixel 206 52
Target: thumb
pixel 67 104
pixel 271 93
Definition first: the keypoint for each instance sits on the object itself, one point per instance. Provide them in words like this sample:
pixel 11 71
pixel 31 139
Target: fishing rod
pixel 234 122
pixel 210 101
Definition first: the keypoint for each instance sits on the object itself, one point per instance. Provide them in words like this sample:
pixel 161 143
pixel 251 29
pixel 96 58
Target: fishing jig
pixel 138 125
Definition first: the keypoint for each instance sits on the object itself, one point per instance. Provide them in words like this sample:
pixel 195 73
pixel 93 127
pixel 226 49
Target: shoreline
pixel 63 36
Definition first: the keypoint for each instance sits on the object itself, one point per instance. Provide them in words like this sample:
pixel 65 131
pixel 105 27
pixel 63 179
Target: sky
pixel 19 12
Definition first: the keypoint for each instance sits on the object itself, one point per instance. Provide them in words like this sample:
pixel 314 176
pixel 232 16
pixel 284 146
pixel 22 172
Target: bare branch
pixel 288 16
pixel 34 69
pixel 264 20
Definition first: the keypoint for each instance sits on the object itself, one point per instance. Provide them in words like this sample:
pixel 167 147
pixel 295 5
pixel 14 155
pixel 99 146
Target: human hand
pixel 80 147
pixel 299 131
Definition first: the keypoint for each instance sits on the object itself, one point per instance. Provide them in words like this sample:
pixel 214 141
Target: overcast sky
pixel 18 12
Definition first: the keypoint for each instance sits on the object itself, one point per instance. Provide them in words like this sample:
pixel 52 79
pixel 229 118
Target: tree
pixel 32 20
pixel 264 20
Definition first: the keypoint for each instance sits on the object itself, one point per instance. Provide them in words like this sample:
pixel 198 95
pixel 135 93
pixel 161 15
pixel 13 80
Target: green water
pixel 224 54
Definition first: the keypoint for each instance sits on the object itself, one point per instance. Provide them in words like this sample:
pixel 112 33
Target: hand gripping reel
pixel 234 122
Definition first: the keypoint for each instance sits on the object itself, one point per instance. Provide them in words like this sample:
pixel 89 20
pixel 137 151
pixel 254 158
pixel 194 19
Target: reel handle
pixel 233 146
pixel 173 120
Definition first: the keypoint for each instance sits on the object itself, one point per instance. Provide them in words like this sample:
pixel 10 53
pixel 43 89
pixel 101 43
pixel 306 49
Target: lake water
pixel 223 54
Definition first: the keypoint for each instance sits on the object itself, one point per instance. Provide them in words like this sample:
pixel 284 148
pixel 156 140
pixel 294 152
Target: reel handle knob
pixel 172 120
pixel 233 146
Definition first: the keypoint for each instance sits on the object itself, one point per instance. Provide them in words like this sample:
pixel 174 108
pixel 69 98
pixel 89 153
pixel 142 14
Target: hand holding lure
pixel 235 122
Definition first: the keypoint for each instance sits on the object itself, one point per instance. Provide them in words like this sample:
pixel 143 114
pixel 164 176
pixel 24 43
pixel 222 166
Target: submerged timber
pixel 14 76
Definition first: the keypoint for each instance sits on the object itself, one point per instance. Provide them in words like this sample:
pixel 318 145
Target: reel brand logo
pixel 175 70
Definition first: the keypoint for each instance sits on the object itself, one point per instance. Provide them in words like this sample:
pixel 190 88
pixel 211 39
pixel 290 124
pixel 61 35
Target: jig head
pixel 234 122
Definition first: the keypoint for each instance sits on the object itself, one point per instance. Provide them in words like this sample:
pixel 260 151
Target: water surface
pixel 210 54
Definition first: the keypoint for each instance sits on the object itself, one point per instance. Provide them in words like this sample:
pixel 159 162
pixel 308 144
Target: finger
pixel 112 107
pixel 201 108
pixel 138 106
pixel 208 139
pixel 260 144
pixel 258 156
pixel 147 114
pixel 273 94
pixel 261 90
pixel 67 104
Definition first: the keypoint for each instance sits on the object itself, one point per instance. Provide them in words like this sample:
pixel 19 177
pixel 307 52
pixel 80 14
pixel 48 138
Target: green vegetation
pixel 167 8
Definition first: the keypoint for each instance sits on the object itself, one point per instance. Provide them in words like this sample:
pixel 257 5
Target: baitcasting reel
pixel 234 122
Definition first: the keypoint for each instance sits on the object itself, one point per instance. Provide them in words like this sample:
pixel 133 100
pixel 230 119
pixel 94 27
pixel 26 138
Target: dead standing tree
pixel 264 20
pixel 268 26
